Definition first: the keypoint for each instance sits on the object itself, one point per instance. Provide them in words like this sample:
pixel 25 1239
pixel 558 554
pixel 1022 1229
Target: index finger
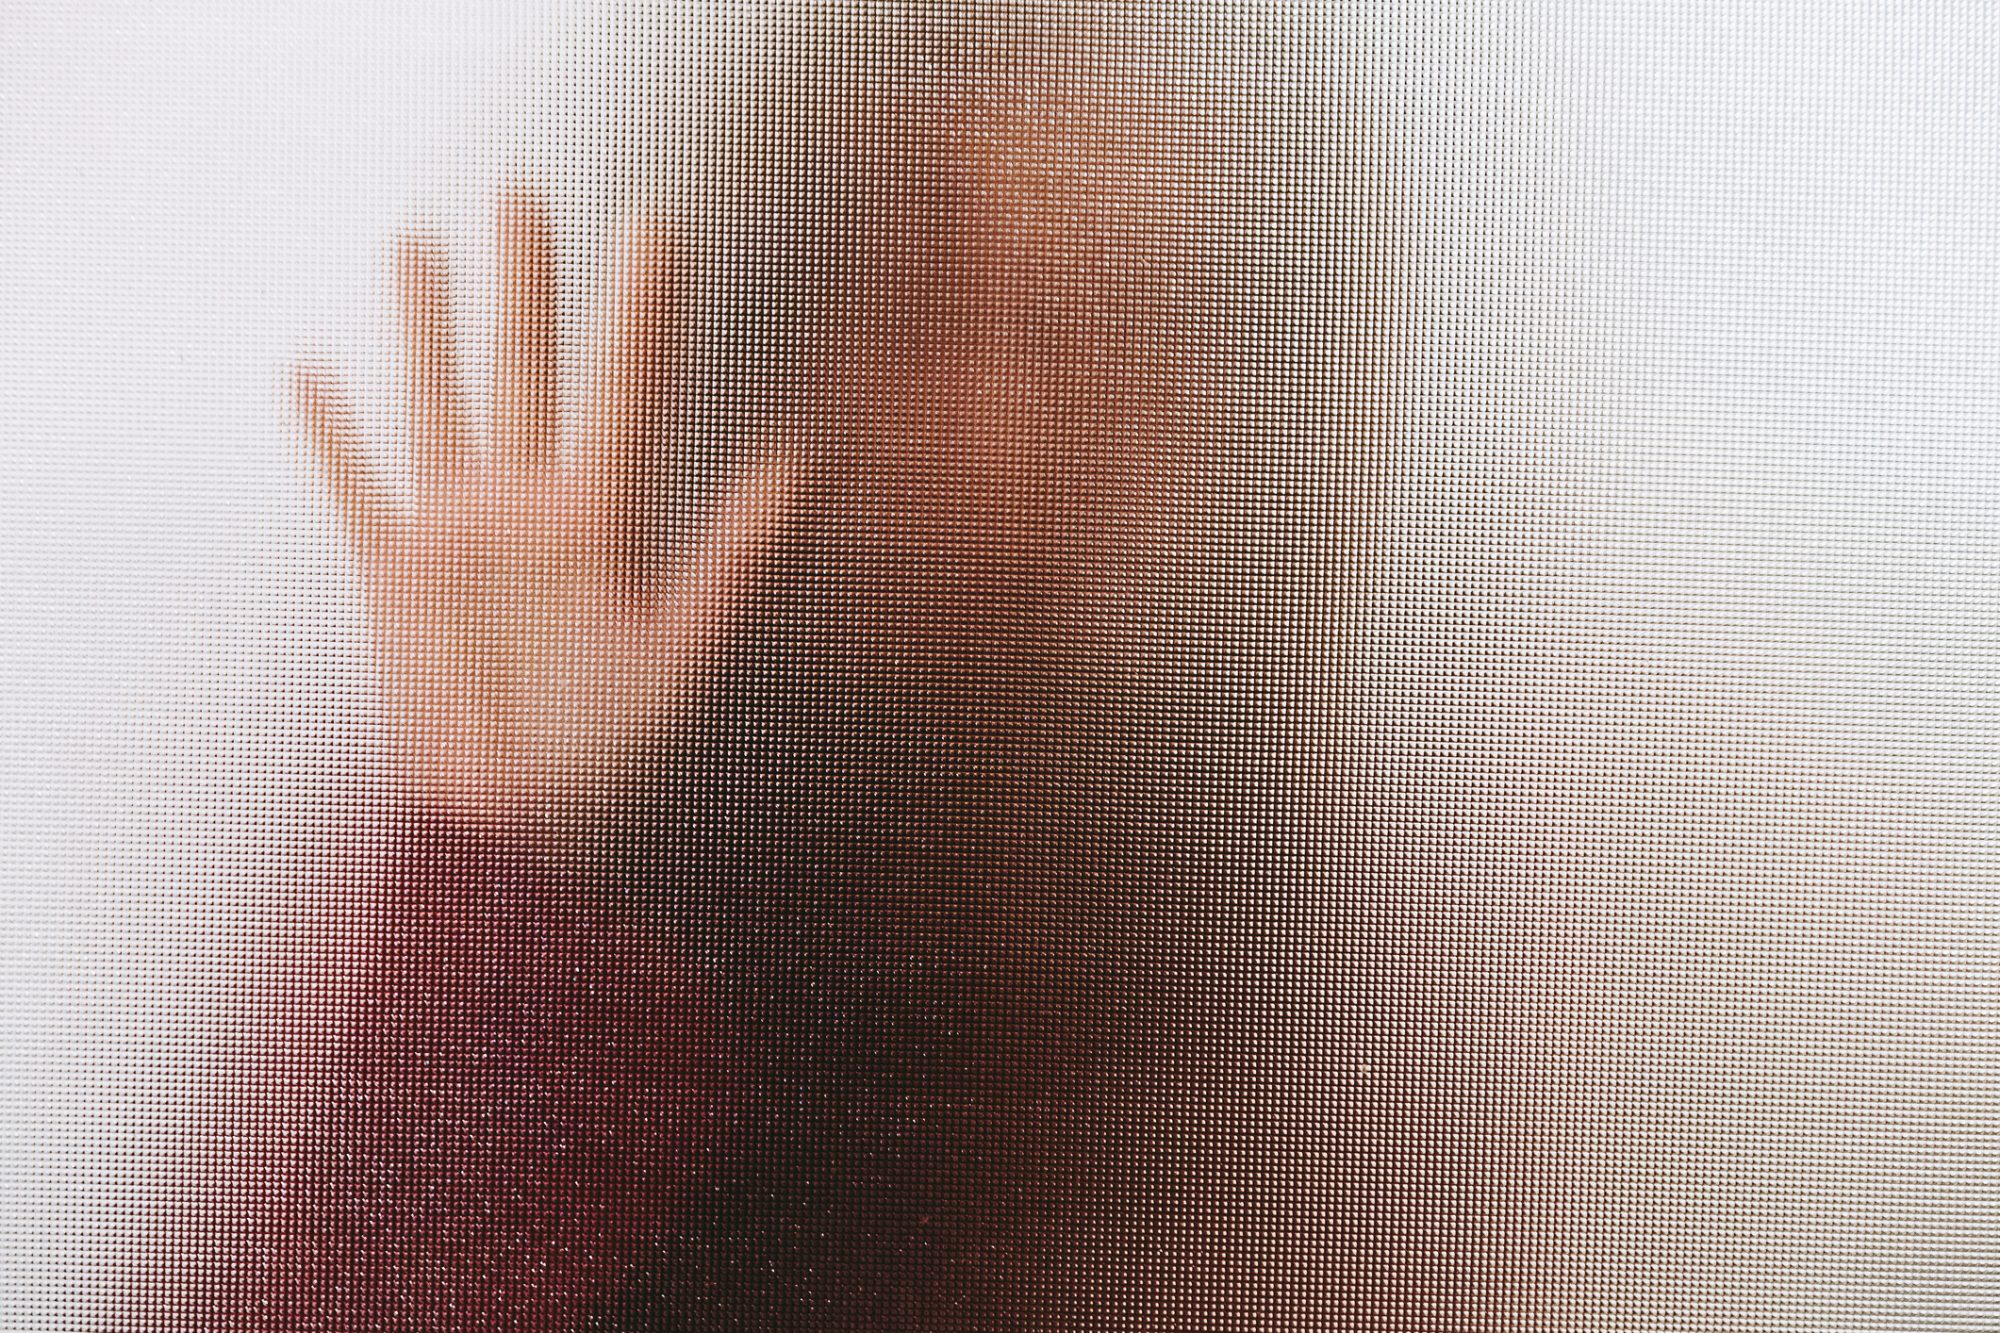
pixel 437 418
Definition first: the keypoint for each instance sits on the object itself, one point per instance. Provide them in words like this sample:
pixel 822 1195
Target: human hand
pixel 530 645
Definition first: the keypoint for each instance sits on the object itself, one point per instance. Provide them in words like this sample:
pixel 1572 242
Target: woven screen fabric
pixel 998 665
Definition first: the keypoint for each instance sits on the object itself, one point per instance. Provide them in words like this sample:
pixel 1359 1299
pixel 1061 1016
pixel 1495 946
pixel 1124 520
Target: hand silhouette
pixel 529 642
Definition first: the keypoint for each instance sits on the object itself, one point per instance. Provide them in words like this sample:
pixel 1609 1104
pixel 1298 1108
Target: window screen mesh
pixel 954 665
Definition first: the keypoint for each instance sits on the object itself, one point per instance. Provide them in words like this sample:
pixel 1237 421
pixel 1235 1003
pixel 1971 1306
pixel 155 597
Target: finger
pixel 625 403
pixel 524 402
pixel 720 570
pixel 330 431
pixel 437 419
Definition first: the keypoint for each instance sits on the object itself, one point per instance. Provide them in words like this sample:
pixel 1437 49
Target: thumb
pixel 721 567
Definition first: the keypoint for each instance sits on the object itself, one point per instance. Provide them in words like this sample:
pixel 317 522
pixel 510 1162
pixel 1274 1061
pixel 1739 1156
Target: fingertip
pixel 305 391
pixel 784 455
pixel 775 475
pixel 419 266
pixel 512 223
pixel 310 395
pixel 521 232
pixel 647 242
pixel 521 211
pixel 416 285
pixel 324 413
pixel 763 497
